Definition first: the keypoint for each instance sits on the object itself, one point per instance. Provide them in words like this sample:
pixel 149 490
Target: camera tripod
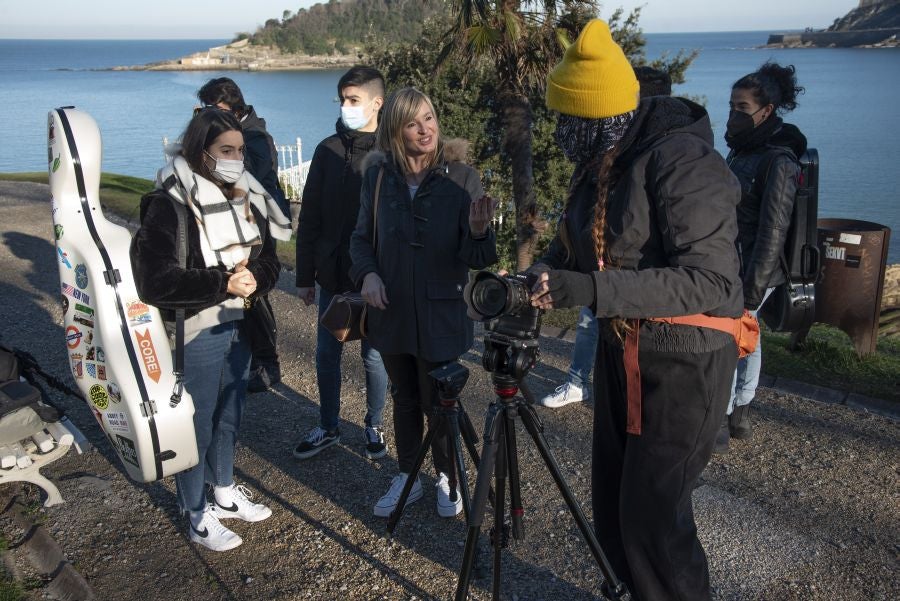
pixel 510 359
pixel 449 416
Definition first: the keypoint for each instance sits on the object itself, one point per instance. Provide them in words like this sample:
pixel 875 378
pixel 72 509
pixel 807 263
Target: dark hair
pixel 363 77
pixel 653 81
pixel 772 84
pixel 224 90
pixel 201 132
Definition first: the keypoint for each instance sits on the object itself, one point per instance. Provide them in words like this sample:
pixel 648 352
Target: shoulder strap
pixel 182 250
pixel 375 209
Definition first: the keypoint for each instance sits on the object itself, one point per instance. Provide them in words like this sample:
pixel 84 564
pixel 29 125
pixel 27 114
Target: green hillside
pixel 340 27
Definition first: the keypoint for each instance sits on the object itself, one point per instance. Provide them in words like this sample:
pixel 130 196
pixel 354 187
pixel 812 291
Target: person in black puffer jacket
pixel 764 157
pixel 646 241
pixel 261 160
pixel 327 218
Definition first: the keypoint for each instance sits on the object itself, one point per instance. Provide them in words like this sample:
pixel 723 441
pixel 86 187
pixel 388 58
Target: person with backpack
pixel 764 156
pixel 207 202
pixel 261 161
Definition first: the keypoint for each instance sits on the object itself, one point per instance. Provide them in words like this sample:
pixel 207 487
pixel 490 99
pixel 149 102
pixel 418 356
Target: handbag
pixel 259 325
pixel 345 316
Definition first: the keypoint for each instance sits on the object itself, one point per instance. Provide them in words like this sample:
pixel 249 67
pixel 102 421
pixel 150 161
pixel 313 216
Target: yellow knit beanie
pixel 594 79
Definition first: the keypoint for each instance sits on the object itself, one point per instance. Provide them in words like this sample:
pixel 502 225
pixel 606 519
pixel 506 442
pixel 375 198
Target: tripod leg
pixel 499 509
pixel 470 437
pixel 529 420
pixel 433 428
pixel 479 498
pixel 515 489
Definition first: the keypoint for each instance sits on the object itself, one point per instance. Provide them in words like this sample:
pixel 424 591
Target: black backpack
pixel 792 306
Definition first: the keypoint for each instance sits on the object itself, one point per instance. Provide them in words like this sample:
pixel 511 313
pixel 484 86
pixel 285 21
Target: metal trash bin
pixel 848 296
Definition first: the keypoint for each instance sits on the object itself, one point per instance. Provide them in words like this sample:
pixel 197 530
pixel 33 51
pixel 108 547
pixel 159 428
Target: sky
pixel 187 19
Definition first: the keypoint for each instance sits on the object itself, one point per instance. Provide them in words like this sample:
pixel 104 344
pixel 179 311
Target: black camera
pixel 503 302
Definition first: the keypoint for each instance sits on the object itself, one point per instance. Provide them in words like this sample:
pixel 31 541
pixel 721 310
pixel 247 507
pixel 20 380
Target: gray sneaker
pixel 317 440
pixel 375 447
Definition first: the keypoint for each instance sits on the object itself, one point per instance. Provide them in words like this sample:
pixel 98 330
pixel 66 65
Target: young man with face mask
pixel 327 219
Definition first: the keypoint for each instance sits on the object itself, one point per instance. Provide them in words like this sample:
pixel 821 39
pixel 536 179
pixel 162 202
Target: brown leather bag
pixel 345 316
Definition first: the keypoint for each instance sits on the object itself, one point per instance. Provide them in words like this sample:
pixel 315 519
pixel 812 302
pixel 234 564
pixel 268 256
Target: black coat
pixel 329 210
pixel 161 281
pixel 670 222
pixel 425 250
pixel 767 201
pixel 261 157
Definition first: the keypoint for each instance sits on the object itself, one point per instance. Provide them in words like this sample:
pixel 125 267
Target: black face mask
pixel 739 123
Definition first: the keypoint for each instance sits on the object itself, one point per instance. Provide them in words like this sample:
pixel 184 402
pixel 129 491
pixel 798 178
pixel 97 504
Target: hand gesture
pixel 481 213
pixel 373 291
pixel 241 283
pixel 307 294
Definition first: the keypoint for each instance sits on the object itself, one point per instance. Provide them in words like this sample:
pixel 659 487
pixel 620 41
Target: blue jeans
pixel 585 348
pixel 328 375
pixel 216 364
pixel 746 376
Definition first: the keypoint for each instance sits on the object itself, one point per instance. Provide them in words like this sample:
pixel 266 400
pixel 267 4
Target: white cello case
pixel 118 347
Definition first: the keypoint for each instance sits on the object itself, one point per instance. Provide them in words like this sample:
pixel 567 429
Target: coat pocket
pixel 446 309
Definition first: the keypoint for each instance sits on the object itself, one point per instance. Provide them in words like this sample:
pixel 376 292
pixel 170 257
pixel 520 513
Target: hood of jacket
pixel 456 150
pixel 659 116
pixel 252 121
pixel 789 136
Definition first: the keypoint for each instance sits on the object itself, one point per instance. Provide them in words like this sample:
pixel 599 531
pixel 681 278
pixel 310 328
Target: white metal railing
pixel 292 170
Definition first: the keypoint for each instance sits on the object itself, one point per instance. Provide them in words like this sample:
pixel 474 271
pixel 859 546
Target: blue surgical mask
pixel 354 117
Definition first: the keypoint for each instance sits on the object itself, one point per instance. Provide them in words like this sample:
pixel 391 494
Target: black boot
pixel 739 422
pixel 722 436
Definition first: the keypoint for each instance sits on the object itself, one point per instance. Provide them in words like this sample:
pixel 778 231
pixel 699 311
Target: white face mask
pixel 227 170
pixel 354 117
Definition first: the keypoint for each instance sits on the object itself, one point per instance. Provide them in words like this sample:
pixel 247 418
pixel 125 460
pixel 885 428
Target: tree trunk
pixel 517 124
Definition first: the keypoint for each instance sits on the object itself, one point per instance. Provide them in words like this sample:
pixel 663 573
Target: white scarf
pixel 227 228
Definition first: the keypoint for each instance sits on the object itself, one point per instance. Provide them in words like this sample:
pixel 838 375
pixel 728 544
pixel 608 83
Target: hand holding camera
pixel 560 289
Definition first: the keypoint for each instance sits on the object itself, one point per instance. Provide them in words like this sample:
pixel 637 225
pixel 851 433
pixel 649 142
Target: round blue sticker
pixel 81 277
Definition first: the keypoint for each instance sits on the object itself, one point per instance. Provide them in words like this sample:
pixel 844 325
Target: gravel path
pixel 808 509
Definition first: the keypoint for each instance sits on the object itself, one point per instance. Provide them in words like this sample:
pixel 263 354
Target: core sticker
pixel 148 354
pixel 73 337
pixel 138 313
pixel 81 276
pixel 99 397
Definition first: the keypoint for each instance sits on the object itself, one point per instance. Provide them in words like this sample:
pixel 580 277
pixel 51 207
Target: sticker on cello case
pixel 73 337
pixel 58 231
pixel 81 276
pixel 91 369
pixel 63 257
pixel 75 293
pixel 115 395
pixel 77 365
pixel 127 450
pixel 101 372
pixel 148 354
pixel 65 303
pixel 99 397
pixel 117 421
pixel 138 313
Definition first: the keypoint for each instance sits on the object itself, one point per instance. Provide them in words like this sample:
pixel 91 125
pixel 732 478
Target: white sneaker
pixel 206 529
pixel 447 508
pixel 386 504
pixel 234 502
pixel 563 395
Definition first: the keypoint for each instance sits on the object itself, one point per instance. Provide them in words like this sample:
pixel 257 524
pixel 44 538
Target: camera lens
pixel 489 296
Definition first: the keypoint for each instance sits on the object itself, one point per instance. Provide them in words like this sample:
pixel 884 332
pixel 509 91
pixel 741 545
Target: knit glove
pixel 571 289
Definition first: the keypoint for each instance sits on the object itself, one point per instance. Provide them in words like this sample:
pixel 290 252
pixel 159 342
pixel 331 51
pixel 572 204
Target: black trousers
pixel 642 485
pixel 415 395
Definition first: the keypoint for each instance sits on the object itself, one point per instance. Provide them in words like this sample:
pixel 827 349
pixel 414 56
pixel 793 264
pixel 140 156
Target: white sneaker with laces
pixel 205 529
pixel 447 508
pixel 386 504
pixel 234 502
pixel 563 395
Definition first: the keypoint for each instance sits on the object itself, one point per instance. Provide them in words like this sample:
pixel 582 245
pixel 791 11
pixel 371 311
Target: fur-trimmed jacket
pixel 424 252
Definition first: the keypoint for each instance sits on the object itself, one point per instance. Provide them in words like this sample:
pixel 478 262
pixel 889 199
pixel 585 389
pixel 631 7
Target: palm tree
pixel 523 39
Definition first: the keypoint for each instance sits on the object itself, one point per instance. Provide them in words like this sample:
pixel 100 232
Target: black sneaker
pixel 375 447
pixel 316 440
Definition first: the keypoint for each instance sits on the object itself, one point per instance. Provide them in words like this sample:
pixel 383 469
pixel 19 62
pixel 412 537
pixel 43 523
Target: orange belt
pixel 745 330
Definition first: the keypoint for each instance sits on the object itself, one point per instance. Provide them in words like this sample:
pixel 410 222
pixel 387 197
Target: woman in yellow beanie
pixel 647 242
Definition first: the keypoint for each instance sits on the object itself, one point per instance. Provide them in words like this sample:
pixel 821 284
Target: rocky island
pixel 872 24
pixel 243 56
